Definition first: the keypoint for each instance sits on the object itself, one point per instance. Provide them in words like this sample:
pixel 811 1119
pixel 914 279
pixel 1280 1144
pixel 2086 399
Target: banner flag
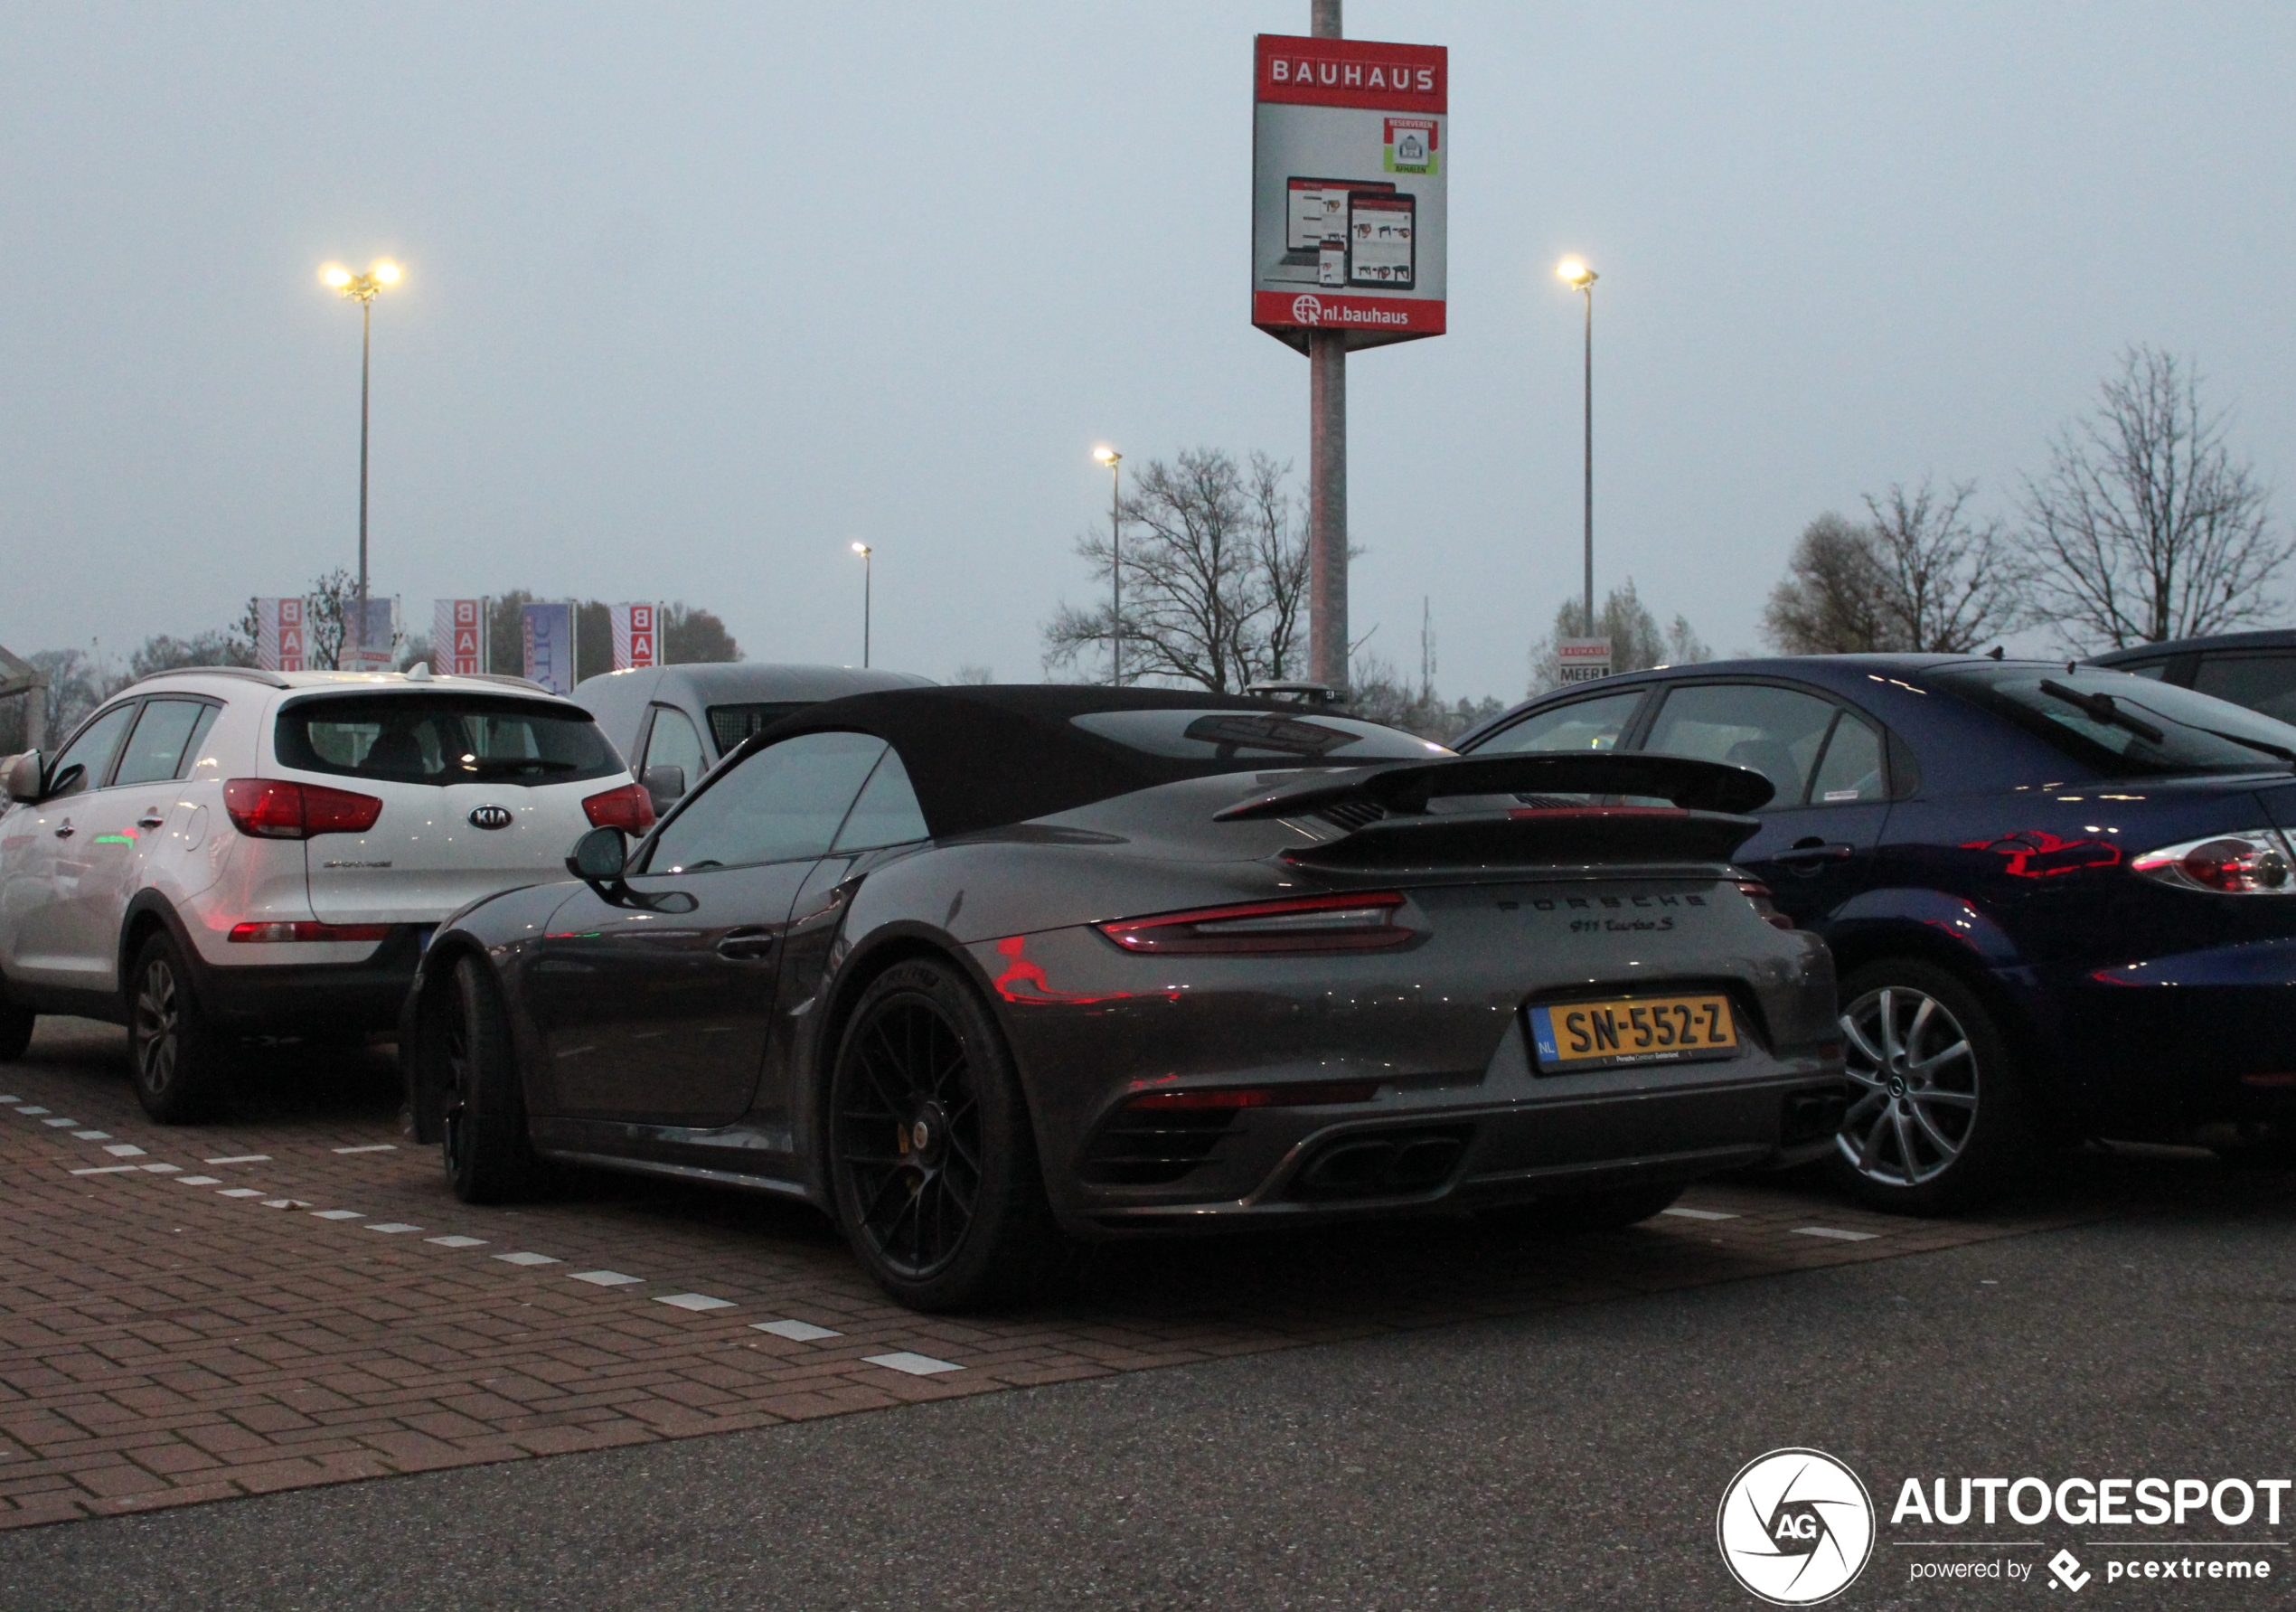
pixel 549 631
pixel 281 643
pixel 381 645
pixel 458 636
pixel 634 640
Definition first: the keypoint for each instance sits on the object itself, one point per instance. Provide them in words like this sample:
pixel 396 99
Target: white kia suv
pixel 225 850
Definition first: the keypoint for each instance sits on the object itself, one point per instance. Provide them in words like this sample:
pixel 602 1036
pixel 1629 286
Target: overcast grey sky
pixel 697 296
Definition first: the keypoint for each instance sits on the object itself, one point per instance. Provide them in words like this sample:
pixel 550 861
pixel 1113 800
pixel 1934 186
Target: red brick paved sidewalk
pixel 173 1335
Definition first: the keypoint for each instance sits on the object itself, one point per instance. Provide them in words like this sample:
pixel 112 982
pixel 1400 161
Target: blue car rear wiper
pixel 2102 708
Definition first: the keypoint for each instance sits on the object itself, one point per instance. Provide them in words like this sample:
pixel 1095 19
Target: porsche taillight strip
pixel 1259 1097
pixel 1353 922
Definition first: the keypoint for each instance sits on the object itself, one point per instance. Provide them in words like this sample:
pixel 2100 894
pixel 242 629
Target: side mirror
pixel 21 780
pixel 664 785
pixel 599 856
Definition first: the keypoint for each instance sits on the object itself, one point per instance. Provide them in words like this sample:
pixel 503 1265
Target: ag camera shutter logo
pixel 1795 1527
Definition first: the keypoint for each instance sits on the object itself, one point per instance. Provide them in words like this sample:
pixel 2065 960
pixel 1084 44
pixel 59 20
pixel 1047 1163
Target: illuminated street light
pixel 1114 461
pixel 1580 277
pixel 868 555
pixel 361 288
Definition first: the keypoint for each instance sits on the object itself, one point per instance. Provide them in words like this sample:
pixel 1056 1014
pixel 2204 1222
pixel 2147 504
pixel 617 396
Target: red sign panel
pixel 1352 72
pixel 1324 310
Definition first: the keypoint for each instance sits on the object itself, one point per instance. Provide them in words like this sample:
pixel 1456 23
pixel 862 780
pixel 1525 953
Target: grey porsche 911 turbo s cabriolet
pixel 984 971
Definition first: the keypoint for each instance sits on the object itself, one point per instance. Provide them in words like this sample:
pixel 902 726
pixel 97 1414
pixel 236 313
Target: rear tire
pixel 1610 1209
pixel 15 1030
pixel 175 1057
pixel 488 1155
pixel 1941 1115
pixel 933 1166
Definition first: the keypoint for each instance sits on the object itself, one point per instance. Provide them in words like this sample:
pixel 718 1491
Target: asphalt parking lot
pixel 1431 1414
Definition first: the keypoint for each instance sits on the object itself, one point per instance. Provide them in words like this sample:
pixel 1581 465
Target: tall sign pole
pixel 1327 555
pixel 1348 247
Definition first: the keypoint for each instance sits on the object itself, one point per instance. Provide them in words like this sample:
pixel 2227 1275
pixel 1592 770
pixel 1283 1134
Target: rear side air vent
pixel 1352 814
pixel 1154 1148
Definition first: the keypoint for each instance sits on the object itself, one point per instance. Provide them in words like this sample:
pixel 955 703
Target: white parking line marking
pixel 393 1226
pixel 915 1365
pixel 697 1302
pixel 457 1241
pixel 162 1169
pixel 285 1203
pixel 606 1278
pixel 110 1170
pixel 240 1159
pixel 1836 1233
pixel 11 1100
pixel 60 1124
pixel 338 1214
pixel 1699 1214
pixel 28 1113
pixel 797 1331
pixel 125 1150
pixel 371 1148
pixel 199 1180
pixel 91 1136
pixel 240 1192
pixel 527 1259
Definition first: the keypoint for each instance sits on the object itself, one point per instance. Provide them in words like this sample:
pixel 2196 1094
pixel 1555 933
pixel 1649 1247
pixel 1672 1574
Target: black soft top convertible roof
pixel 988 756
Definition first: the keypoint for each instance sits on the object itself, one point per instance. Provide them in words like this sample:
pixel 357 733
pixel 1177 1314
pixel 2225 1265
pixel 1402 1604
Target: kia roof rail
pixel 249 674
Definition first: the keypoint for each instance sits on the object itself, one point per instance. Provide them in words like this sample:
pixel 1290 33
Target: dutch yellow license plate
pixel 1632 1029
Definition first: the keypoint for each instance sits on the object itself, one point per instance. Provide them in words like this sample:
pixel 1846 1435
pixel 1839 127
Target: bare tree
pixel 1949 583
pixel 1215 576
pixel 1834 599
pixel 2150 528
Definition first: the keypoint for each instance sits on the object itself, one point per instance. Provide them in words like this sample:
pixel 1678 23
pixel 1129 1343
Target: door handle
pixel 747 946
pixel 152 820
pixel 65 831
pixel 1812 853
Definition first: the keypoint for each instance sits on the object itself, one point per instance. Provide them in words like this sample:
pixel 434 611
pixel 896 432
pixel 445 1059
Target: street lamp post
pixel 1576 274
pixel 1114 461
pixel 868 555
pixel 362 289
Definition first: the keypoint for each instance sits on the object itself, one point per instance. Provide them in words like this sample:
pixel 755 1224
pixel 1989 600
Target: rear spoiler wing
pixel 1405 790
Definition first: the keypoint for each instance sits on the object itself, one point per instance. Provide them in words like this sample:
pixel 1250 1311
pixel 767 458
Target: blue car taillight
pixel 2252 862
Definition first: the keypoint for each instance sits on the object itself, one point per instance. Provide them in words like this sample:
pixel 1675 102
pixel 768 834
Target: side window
pixel 91 752
pixel 1594 724
pixel 2265 682
pixel 1852 768
pixel 1774 732
pixel 162 734
pixel 675 743
pixel 887 813
pixel 785 802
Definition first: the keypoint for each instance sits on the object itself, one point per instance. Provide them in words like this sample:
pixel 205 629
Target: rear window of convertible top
pixel 1256 738
pixel 443 738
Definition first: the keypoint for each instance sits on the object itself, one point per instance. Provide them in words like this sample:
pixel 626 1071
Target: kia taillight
pixel 1309 923
pixel 2251 861
pixel 277 809
pixel 1759 894
pixel 629 808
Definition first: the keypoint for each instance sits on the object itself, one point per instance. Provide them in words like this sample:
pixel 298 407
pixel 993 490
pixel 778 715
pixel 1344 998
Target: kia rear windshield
pixel 443 738
pixel 2119 726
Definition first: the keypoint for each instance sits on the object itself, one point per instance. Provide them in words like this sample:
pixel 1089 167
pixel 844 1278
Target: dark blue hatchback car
pixel 2062 900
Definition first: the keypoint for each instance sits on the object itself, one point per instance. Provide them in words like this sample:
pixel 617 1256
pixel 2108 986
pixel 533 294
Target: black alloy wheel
pixel 932 1163
pixel 488 1155
pixel 1938 1113
pixel 175 1057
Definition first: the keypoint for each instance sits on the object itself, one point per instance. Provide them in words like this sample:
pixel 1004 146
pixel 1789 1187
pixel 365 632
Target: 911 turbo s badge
pixel 491 816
